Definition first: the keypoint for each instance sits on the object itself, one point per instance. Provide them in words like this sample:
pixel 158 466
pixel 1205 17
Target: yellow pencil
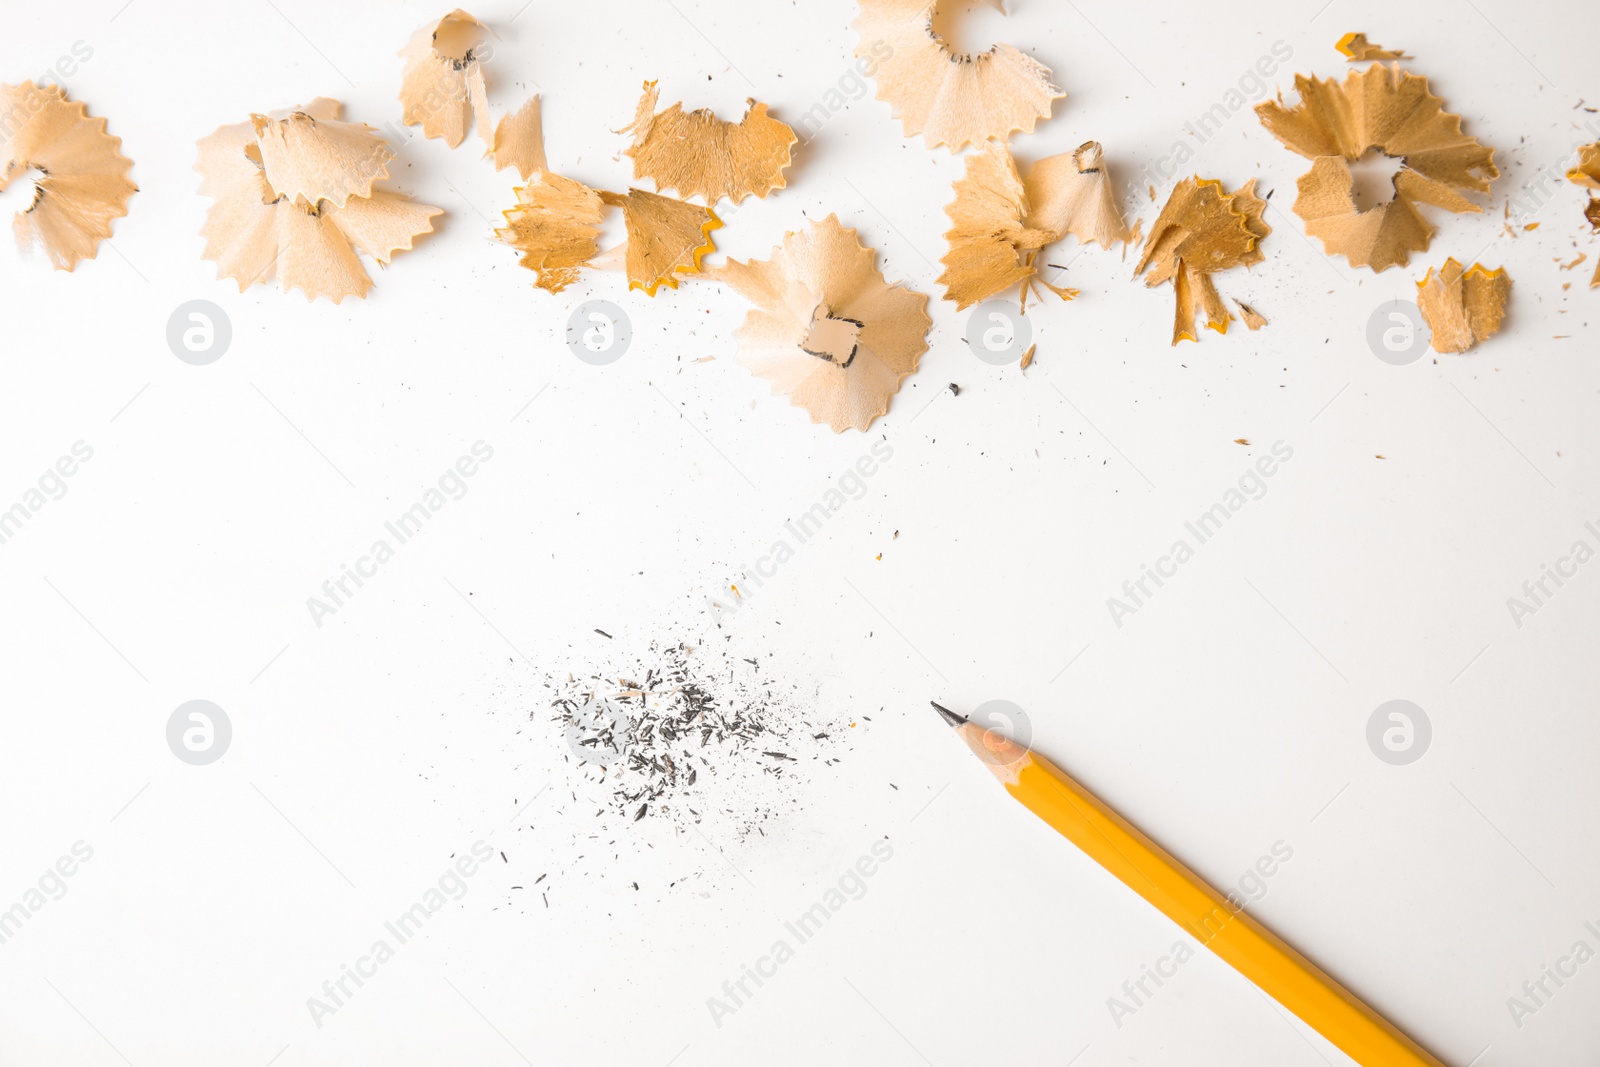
pixel 1247 946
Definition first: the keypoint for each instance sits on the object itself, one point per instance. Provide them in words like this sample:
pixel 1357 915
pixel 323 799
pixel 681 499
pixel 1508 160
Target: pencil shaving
pixel 519 140
pixel 556 227
pixel 1357 49
pixel 1202 230
pixel 304 157
pixel 1072 193
pixel 442 87
pixel 1383 109
pixel 991 249
pixel 1253 319
pixel 1463 307
pixel 666 237
pixel 950 99
pixel 695 153
pixel 1001 223
pixel 256 231
pixel 80 174
pixel 827 330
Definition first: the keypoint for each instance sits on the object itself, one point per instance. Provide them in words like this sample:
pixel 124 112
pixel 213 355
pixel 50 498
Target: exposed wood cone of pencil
pixel 1140 864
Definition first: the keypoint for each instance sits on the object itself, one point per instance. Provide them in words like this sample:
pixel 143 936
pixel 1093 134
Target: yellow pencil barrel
pixel 1250 948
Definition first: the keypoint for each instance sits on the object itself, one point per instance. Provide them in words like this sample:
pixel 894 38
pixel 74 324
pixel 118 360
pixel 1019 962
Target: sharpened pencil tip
pixel 949 716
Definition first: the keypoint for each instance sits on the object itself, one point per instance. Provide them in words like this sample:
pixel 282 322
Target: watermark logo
pixel 851 885
pixel 1251 888
pixel 1399 732
pixel 849 87
pixel 1536 591
pixel 598 732
pixel 1538 992
pixel 51 886
pixel 850 484
pixel 598 332
pixel 1248 88
pixel 998 332
pixel 450 486
pixel 1003 721
pixel 199 732
pixel 1396 332
pixel 450 887
pixel 198 332
pixel 1251 486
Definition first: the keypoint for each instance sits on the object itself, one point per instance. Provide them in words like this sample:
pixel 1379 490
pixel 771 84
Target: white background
pixel 1227 715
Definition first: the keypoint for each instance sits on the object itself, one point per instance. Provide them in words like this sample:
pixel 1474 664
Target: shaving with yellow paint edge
pixel 1357 49
pixel 555 224
pixel 1463 307
pixel 1587 174
pixel 1384 109
pixel 1204 230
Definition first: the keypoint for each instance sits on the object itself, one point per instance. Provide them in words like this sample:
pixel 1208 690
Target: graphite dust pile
pixel 693 735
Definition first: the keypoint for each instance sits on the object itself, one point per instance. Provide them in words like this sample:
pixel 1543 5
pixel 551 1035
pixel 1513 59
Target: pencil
pixel 1241 942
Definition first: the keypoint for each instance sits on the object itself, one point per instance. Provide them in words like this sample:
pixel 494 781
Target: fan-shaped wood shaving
pixel 950 99
pixel 556 227
pixel 82 176
pixel 1357 49
pixel 694 153
pixel 255 233
pixel 1203 230
pixel 1073 193
pixel 666 237
pixel 442 86
pixel 991 249
pixel 314 159
pixel 1463 307
pixel 827 330
pixel 1392 111
pixel 519 140
pixel 1001 223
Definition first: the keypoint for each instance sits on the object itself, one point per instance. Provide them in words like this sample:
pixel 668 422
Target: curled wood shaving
pixel 1072 193
pixel 991 249
pixel 666 237
pixel 519 140
pixel 256 231
pixel 950 99
pixel 1380 108
pixel 694 153
pixel 827 330
pixel 315 159
pixel 1202 230
pixel 556 226
pixel 1463 307
pixel 81 180
pixel 442 86
pixel 1001 223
